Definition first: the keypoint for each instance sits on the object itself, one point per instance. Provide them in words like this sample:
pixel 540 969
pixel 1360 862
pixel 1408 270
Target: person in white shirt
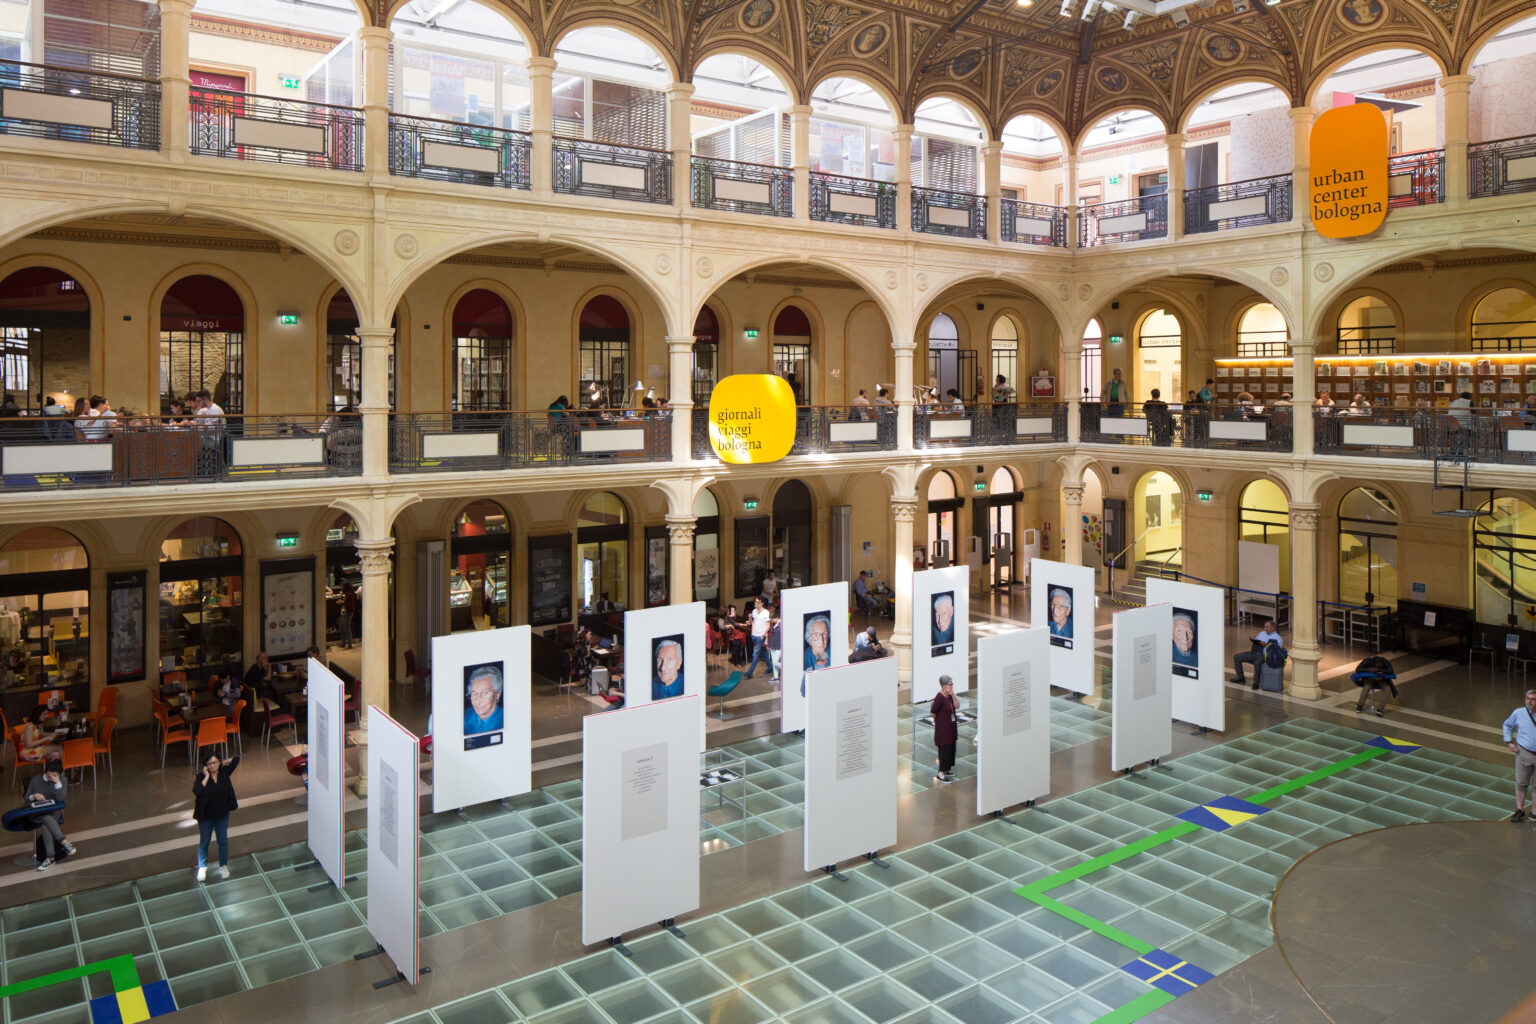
pixel 1255 656
pixel 1461 409
pixel 101 419
pixel 208 409
pixel 760 618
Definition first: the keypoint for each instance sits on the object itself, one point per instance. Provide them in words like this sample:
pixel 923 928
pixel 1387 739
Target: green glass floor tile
pixel 1028 987
pixel 712 934
pixel 930 932
pixel 658 952
pixel 44 1000
pixel 305 900
pixel 745 961
pixel 1207 954
pixel 1149 927
pixel 496 874
pixel 206 986
pixel 885 950
pixel 843 925
pixel 600 971
pixel 691 981
pixel 931 977
pixel 199 928
pixel 796 941
pixel 732 1006
pixel 835 969
pixel 1077 1008
pixel 253 942
pixel 894 873
pixel 194 957
pixel 476 856
pixel 519 844
pixel 1118 988
pixel 980 1005
pixel 284 963
pixel 1189 914
pixel 330 921
pixel 881 1000
pixel 1241 938
pixel 758 917
pixel 562 883
pixel 337 949
pixel 1195 860
pixel 889 908
pixel 465 912
pixel 485 1008
pixel 94 901
pixel 540 992
pixel 634 1002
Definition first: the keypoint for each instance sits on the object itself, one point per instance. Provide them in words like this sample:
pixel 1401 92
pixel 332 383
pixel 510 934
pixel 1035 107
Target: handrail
pixel 610 145
pixel 454 124
pixel 736 163
pixel 208 90
pixel 85 71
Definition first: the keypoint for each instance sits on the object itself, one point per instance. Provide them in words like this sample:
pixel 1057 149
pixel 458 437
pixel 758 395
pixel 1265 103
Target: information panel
pixel 814 632
pixel 1013 718
pixel 327 771
pixel 940 628
pixel 1198 654
pixel 393 827
pixel 850 762
pixel 1062 600
pixel 1141 714
pixel 482 743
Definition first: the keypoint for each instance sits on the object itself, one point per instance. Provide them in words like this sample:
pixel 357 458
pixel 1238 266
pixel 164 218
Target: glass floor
pixel 277 916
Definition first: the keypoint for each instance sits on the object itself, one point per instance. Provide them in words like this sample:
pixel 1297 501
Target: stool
pixel 1371 685
pixel 1488 652
pixel 723 689
pixel 1522 661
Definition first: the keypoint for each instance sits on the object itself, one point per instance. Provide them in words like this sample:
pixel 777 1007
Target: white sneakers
pixel 202 874
pixel 45 865
pixel 223 871
pixel 69 847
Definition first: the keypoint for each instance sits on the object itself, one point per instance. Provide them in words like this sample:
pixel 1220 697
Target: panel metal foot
pixel 618 944
pixel 670 924
pixel 831 869
pixel 399 977
pixel 1200 731
pixel 1157 762
pixel 874 858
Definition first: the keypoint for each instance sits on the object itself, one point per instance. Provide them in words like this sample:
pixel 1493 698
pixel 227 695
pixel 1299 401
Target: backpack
pixel 1274 655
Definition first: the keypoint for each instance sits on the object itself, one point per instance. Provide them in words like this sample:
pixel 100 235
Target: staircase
pixel 1131 591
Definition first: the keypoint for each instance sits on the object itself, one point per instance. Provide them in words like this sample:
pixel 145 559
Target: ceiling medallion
pixel 966 64
pixel 1223 49
pixel 1112 79
pixel 757 13
pixel 869 40
pixel 1048 83
pixel 1361 13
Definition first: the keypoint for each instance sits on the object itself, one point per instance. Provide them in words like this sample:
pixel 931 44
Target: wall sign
pixel 1348 167
pixel 751 418
pixel 287 606
pixel 549 579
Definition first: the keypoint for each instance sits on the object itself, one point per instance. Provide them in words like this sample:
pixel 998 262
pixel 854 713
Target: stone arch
pixel 1469 303
pixel 1320 74
pixel 723 275
pixel 1235 77
pixel 746 48
pixel 860 74
pixel 250 329
pixel 507 12
pixel 519 334
pixel 93 296
pixel 646 33
pixel 1107 109
pixel 974 105
pixel 1335 309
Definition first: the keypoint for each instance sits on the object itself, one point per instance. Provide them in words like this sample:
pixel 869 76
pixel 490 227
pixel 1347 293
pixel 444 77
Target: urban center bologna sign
pixel 1348 168
pixel 751 418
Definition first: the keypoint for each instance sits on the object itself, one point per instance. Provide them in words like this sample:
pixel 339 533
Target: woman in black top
pixel 214 797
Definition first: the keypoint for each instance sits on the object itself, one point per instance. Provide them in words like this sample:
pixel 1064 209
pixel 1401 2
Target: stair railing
pixel 1121 554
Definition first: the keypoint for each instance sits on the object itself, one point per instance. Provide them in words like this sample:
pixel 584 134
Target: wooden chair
pixel 103 742
pixel 232 726
pixel 81 754
pixel 170 733
pixel 211 733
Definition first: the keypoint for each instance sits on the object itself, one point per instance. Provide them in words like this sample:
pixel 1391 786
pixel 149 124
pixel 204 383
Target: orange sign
pixel 751 418
pixel 1348 168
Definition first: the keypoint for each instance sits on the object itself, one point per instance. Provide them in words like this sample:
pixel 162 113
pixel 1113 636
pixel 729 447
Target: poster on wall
pixel 481 717
pixel 814 631
pixel 1198 657
pixel 287 607
pixel 125 626
pixel 1062 599
pixel 549 580
pixel 1013 718
pixel 664 656
pixel 940 628
pixel 850 753
pixel 706 569
pixel 1141 718
pixel 656 570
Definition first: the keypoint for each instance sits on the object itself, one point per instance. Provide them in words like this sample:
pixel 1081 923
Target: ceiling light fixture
pixel 1090 10
pixel 1240 6
pixel 1026 3
pixel 1066 8
pixel 1180 17
pixel 1131 18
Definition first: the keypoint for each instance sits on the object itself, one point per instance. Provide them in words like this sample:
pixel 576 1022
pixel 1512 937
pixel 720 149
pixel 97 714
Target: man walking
pixel 760 617
pixel 1520 735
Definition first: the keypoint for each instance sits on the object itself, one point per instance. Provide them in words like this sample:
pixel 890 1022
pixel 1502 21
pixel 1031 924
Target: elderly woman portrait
pixel 482 695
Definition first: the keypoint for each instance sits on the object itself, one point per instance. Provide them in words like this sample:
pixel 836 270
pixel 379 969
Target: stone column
pixel 541 122
pixel 175 77
pixel 1175 143
pixel 1458 134
pixel 1303 395
pixel 680 558
pixel 903 136
pixel 1069 196
pixel 992 188
pixel 904 353
pixel 1070 378
pixel 374 674
pixel 375 344
pixel 1071 524
pixel 800 158
pixel 1304 649
pixel 1301 156
pixel 903 510
pixel 680 395
pixel 680 141
pixel 375 43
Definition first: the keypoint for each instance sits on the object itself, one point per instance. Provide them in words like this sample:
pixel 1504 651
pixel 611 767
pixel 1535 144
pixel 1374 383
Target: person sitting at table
pixel 259 677
pixel 225 688
pixel 39 744
pixel 48 788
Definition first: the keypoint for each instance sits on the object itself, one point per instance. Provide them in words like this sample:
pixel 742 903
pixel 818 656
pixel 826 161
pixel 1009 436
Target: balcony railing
pixel 1502 167
pixel 1238 204
pixel 39 453
pixel 640 175
pixel 836 199
pixel 736 187
pixel 469 154
pixel 1034 223
pixel 437 442
pixel 822 430
pixel 981 424
pixel 1481 435
pixel 1416 179
pixel 1130 220
pixel 245 126
pixel 78 106
pixel 1251 428
pixel 957 214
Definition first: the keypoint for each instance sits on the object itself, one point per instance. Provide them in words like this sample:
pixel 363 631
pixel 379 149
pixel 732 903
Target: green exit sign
pixel 287 540
pixel 1114 179
pixel 1115 339
pixel 288 81
pixel 1203 495
pixel 749 504
pixel 749 333
pixel 979 486
pixel 288 319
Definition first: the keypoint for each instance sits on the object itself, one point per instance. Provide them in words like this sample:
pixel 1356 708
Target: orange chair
pixel 211 732
pixel 232 726
pixel 171 734
pixel 81 754
pixel 103 741
pixel 106 705
pixel 44 696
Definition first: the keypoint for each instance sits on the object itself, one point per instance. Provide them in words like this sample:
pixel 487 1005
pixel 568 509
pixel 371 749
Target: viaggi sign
pixel 751 418
pixel 1348 170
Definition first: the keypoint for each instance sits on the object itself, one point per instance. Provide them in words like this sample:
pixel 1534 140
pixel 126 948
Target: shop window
pixel 344 355
pixel 1504 564
pixel 202 577
pixel 1366 326
pixel 1159 350
pixel 1505 321
pixel 792 351
pixel 602 553
pixel 482 561
pixel 202 343
pixel 45 585
pixel 1264 517
pixel 1005 353
pixel 45 337
pixel 1261 332
pixel 604 335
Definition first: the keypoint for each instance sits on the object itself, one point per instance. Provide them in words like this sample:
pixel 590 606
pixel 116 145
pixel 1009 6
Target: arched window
pixel 1091 363
pixel 45 592
pixel 344 355
pixel 1264 517
pixel 850 131
pixel 1261 333
pixel 1504 321
pixel 604 340
pixel 706 355
pixel 482 562
pixel 602 552
pixel 202 332
pixel 949 368
pixel 1157 521
pixel 1005 353
pixel 45 337
pixel 1367 548
pixel 792 351
pixel 1504 563
pixel 944 504
pixel 792 511
pixel 1366 325
pixel 202 596
pixel 1159 349
pixel 482 343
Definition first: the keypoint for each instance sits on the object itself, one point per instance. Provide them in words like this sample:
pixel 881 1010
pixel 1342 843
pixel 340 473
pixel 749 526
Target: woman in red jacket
pixel 946 728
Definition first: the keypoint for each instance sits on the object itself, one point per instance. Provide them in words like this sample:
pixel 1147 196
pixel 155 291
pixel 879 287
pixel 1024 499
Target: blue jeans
pixel 205 832
pixel 759 653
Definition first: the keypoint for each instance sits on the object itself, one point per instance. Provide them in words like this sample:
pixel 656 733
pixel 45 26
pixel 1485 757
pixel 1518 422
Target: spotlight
pixel 1026 3
pixel 1271 3
pixel 1131 18
pixel 1090 10
pixel 1240 6
pixel 1180 17
pixel 1066 8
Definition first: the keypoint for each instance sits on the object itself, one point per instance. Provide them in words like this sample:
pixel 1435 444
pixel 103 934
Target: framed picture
pixel 1400 389
pixel 1463 384
pixel 1463 368
pixel 1485 367
pixel 1361 371
pixel 1042 385
pixel 1222 371
pixel 1381 367
pixel 1443 367
pixel 549 579
pixel 125 626
pixel 1442 387
pixel 1509 369
pixel 1422 386
pixel 1402 369
pixel 1325 369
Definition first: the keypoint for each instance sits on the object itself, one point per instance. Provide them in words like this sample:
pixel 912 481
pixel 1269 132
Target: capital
pixel 1305 517
pixel 1072 493
pixel 680 528
pixel 904 509
pixel 374 36
pixel 374 555
pixel 540 65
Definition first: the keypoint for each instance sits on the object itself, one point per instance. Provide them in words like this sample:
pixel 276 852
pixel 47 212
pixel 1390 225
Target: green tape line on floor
pixel 1137 1008
pixel 1315 776
pixel 125 976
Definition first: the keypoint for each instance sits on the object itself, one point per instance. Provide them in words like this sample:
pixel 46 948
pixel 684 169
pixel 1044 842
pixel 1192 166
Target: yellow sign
pixel 751 418
pixel 1348 168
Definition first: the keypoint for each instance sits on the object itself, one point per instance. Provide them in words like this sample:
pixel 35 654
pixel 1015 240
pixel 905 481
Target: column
pixel 375 43
pixel 680 141
pixel 1069 196
pixel 1301 155
pixel 904 510
pixel 1458 134
pixel 1070 376
pixel 1304 650
pixel 175 81
pixel 374 674
pixel 992 188
pixel 1071 524
pixel 541 121
pixel 1303 395
pixel 680 395
pixel 375 344
pixel 680 558
pixel 905 351
pixel 903 136
pixel 800 158
pixel 1175 142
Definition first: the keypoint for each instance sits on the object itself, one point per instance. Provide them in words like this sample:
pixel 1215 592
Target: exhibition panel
pixel 1142 720
pixel 327 770
pixel 481 729
pixel 941 626
pixel 850 762
pixel 1199 650
pixel 1062 598
pixel 814 625
pixel 1013 718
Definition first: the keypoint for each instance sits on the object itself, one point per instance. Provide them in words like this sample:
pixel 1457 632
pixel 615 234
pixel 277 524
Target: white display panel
pixel 482 748
pixel 1141 715
pixel 799 610
pixel 640 817
pixel 393 830
pixel 1199 668
pixel 850 762
pixel 664 656
pixel 941 628
pixel 327 771
pixel 1071 634
pixel 1013 718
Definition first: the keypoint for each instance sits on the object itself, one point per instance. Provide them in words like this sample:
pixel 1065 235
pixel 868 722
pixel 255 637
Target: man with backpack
pixel 1267 650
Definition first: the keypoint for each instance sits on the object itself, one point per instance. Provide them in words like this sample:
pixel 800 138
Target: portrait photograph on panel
pixel 1186 650
pixel 483 716
pixel 818 643
pixel 942 616
pixel 1060 611
pixel 667 666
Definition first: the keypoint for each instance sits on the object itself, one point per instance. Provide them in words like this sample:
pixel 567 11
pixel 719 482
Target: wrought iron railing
pixel 1250 428
pixel 270 129
pixel 985 424
pixel 48 102
pixel 1034 223
pixel 1478 435
pixel 822 430
pixel 1416 179
pixel 836 199
pixel 936 211
pixel 1129 220
pixel 1238 204
pixel 469 154
pixel 38 453
pixel 583 168
pixel 437 442
pixel 1501 167
pixel 736 187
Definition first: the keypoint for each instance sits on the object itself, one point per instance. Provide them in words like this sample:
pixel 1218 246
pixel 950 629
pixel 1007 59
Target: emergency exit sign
pixel 288 81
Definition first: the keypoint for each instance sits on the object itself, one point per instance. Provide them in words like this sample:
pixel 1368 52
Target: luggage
pixel 1272 678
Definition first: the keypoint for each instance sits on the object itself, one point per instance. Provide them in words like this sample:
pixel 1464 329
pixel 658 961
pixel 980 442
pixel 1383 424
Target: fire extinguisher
pixel 1045 539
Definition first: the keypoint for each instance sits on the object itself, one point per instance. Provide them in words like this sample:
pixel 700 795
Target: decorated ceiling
pixel 1008 59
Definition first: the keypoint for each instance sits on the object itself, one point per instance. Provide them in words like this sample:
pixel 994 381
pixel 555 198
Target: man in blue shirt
pixel 668 680
pixel 1255 657
pixel 1520 734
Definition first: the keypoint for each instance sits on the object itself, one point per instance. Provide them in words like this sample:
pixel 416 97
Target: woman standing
pixel 214 798
pixel 946 728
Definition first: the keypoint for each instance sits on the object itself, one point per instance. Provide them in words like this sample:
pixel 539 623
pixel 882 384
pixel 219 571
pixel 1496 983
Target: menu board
pixel 549 579
pixel 1397 382
pixel 287 607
